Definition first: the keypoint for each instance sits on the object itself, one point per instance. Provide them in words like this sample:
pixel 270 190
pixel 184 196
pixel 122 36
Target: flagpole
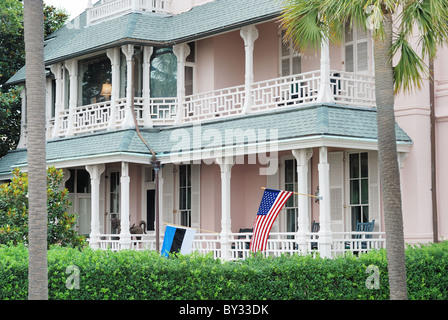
pixel 301 194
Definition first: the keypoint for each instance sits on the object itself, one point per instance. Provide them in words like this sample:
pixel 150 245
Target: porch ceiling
pixel 329 122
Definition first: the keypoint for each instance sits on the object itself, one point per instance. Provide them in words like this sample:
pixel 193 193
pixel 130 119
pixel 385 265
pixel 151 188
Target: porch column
pixel 128 120
pixel 72 67
pixel 325 234
pixel 325 92
pixel 147 53
pixel 181 51
pixel 303 156
pixel 226 165
pixel 23 142
pixel 114 56
pixel 95 172
pixel 56 69
pixel 249 35
pixel 125 235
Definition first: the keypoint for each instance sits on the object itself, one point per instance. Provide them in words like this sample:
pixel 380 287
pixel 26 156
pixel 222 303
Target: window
pixel 359 187
pixel 185 195
pixel 93 74
pixel 163 73
pixel 355 49
pixel 291 206
pixel 290 59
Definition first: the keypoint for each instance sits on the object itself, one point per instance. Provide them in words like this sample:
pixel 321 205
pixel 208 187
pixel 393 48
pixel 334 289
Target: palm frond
pixel 411 69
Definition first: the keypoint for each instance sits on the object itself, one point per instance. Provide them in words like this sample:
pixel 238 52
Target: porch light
pixel 106 89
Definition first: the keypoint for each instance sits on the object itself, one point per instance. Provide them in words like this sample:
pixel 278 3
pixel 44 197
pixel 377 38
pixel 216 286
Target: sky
pixel 73 7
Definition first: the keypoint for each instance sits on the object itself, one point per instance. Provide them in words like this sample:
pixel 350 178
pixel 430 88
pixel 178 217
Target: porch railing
pixel 109 8
pixel 302 89
pixel 279 243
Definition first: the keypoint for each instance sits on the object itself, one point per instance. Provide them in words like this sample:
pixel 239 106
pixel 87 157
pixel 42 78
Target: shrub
pixel 14 211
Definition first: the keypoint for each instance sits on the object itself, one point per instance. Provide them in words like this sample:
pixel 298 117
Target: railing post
pixel 325 234
pixel 325 93
pixel 95 172
pixel 181 51
pixel 249 35
pixel 302 157
pixel 226 165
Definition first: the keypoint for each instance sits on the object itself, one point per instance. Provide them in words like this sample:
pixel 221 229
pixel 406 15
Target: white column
pixel 56 69
pixel 325 92
pixel 249 35
pixel 325 234
pixel 147 53
pixel 128 51
pixel 303 156
pixel 125 235
pixel 181 51
pixel 226 165
pixel 95 172
pixel 114 56
pixel 72 67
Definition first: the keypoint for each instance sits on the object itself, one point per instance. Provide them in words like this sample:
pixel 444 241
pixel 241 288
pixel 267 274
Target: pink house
pixel 181 111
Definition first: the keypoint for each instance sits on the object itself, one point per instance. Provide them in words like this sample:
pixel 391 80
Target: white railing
pixel 209 105
pixel 113 7
pixel 353 88
pixel 285 91
pixel 274 94
pixel 279 243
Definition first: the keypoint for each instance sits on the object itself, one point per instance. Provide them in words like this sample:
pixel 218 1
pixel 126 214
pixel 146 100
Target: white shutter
pixel 168 195
pixel 336 190
pixel 374 190
pixel 196 196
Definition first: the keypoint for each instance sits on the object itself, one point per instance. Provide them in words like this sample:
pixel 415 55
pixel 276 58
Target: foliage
pixel 14 211
pixel 12 59
pixel 131 275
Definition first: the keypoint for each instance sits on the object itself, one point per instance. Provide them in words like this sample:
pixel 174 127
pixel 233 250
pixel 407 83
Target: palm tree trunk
pixel 389 169
pixel 37 185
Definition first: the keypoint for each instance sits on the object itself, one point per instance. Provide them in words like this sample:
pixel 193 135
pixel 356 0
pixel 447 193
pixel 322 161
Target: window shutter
pixel 196 196
pixel 374 190
pixel 336 190
pixel 167 207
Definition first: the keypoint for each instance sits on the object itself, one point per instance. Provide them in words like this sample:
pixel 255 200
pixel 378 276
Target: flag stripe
pixel 270 206
pixel 177 240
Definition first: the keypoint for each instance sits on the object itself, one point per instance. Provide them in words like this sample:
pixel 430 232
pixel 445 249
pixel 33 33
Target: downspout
pixel 435 222
pixel 154 161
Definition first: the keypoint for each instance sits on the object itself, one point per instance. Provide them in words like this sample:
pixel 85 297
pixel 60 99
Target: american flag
pixel 271 204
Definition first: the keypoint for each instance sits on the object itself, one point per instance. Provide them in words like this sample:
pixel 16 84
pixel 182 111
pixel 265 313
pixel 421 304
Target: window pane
pixel 356 216
pixel 192 56
pixel 354 165
pixel 364 191
pixel 365 213
pixel 285 46
pixel 348 32
pixel 182 176
pixel 93 74
pixel 354 192
pixel 163 73
pixel 83 182
pixel 289 171
pixel 364 165
pixel 70 183
pixel 188 81
pixel 291 217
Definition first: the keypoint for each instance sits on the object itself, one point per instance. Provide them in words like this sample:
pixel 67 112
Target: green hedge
pixel 124 275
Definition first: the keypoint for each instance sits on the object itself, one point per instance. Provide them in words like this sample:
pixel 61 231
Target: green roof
pixel 76 38
pixel 294 123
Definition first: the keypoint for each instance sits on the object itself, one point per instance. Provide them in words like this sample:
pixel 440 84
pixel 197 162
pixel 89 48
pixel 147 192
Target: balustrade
pixel 296 90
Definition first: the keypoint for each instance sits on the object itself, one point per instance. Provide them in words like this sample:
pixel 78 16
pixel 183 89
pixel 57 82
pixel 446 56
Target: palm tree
pixel 37 195
pixel 309 22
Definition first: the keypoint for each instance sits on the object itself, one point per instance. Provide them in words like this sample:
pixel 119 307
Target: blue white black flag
pixel 177 239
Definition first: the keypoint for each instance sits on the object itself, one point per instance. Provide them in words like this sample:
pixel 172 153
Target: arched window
pixel 163 73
